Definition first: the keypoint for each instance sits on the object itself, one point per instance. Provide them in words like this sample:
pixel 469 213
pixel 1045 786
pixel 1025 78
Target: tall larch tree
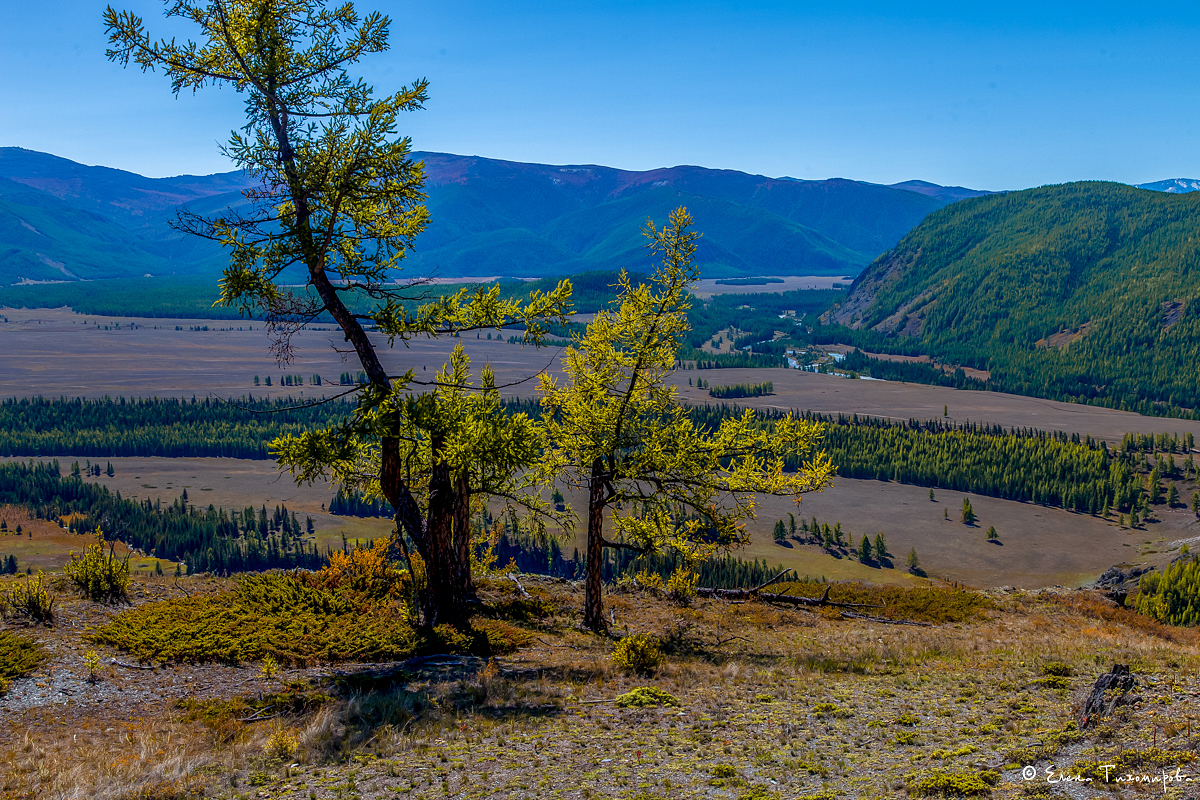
pixel 337 204
pixel 615 431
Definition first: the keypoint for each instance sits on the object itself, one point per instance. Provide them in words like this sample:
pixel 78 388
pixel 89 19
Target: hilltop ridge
pixel 63 221
pixel 1083 291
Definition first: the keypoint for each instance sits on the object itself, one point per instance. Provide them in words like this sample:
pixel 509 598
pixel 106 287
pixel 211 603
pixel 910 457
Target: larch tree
pixel 615 431
pixel 336 206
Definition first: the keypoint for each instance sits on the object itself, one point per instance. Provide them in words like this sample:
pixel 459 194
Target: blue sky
pixel 1000 96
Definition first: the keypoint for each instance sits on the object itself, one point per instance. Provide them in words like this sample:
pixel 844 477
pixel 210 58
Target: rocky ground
pixel 773 702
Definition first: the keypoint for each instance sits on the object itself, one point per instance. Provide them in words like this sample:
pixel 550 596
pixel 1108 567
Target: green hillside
pixel 1083 291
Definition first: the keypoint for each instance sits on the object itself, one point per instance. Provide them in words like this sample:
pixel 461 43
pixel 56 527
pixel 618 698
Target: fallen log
pixel 885 620
pixel 791 599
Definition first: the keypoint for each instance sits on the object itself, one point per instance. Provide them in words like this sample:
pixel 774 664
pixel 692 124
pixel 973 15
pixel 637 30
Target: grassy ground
pixel 1083 546
pixel 774 702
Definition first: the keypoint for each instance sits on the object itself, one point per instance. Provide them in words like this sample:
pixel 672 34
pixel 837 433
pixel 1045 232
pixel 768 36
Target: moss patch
pixel 19 655
pixel 645 696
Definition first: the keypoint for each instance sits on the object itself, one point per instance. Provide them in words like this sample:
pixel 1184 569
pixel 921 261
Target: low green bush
pixel 29 601
pixel 950 783
pixel 19 655
pixel 638 652
pixel 100 576
pixel 646 696
pixel 279 614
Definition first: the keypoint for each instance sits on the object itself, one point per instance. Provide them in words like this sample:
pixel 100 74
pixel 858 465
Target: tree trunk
pixel 593 603
pixel 464 586
pixel 441 603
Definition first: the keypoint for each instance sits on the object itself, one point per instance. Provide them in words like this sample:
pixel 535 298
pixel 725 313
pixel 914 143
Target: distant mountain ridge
pixel 1173 185
pixel 62 221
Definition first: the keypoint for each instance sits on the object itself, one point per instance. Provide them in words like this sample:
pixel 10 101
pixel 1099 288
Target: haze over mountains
pixel 63 221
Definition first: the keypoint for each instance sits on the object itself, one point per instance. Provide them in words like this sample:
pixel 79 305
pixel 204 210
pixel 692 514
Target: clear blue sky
pixel 994 96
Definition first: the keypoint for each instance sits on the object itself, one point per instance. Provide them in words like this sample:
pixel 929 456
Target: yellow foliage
pixel 282 744
pixel 638 652
pixel 681 586
pixel 100 576
pixel 30 600
pixel 364 570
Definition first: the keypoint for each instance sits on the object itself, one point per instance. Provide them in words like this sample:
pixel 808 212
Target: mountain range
pixel 1172 186
pixel 63 221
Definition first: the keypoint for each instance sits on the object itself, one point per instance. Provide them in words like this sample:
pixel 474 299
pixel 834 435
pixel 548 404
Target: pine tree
pixel 991 533
pixel 912 561
pixel 791 523
pixel 881 546
pixel 1172 495
pixel 864 549
pixel 1196 503
pixel 945 513
pixel 931 497
pixel 968 513
pixel 109 471
pixel 780 532
pixel 1133 518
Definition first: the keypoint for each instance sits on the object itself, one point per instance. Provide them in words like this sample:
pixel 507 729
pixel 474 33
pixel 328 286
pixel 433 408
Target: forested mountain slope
pixel 62 221
pixel 1084 290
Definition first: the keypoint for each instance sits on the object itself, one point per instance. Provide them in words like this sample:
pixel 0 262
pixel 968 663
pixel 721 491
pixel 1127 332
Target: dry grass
pixel 775 703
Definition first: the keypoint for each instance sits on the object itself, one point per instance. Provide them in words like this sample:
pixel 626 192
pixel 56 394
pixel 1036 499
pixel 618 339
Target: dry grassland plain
pixel 59 353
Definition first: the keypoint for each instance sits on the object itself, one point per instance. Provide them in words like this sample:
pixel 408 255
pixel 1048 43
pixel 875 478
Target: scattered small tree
pixel 945 513
pixel 864 549
pixel 881 551
pixel 968 513
pixel 912 561
pixel 791 524
pixel 1196 503
pixel 780 532
pixel 100 576
pixel 991 533
pixel 1172 495
pixel 1133 518
pixel 931 497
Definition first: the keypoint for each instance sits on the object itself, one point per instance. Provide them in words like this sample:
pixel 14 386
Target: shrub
pixel 282 744
pixel 91 661
pixel 287 615
pixel 30 601
pixel 967 784
pixel 638 652
pixel 100 576
pixel 646 696
pixel 681 586
pixel 924 604
pixel 19 655
pixel 1057 668
pixel 350 612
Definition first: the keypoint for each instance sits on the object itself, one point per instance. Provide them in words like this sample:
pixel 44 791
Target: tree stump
pixel 1111 690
